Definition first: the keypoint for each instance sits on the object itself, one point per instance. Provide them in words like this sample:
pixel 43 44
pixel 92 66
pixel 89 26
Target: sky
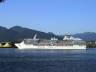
pixel 57 16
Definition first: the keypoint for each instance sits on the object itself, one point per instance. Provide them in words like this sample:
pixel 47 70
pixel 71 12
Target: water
pixel 14 60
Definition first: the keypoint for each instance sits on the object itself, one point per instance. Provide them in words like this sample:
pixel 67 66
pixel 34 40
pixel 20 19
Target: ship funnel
pixel 68 37
pixel 54 38
pixel 35 37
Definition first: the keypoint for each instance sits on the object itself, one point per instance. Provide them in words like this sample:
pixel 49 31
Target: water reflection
pixel 83 54
pixel 14 60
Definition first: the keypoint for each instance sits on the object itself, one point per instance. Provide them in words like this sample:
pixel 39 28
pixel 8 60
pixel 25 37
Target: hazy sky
pixel 57 16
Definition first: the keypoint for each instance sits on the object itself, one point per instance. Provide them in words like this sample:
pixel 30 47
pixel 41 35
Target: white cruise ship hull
pixel 23 46
pixel 68 42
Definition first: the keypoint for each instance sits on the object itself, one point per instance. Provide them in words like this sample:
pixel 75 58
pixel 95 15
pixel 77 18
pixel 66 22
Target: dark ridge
pixel 2 1
pixel 18 33
pixel 87 36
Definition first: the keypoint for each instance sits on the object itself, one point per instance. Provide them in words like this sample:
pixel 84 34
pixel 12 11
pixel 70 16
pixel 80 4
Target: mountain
pixel 18 33
pixel 29 33
pixel 7 34
pixel 86 36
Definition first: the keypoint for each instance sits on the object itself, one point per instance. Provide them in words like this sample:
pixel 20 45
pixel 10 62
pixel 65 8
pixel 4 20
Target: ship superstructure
pixel 68 42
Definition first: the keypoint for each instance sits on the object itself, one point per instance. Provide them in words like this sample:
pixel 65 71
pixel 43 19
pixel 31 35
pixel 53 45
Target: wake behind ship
pixel 68 42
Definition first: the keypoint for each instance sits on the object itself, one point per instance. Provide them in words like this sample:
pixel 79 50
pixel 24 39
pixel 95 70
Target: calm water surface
pixel 14 60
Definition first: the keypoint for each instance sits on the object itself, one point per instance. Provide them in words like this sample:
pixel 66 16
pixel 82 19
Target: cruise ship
pixel 68 42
